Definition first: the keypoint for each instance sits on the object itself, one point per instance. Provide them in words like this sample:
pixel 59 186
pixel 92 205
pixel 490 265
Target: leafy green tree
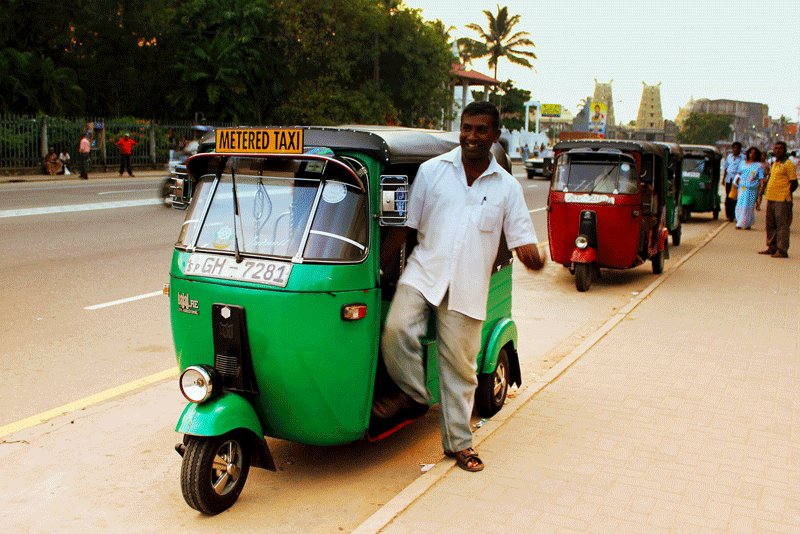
pixel 704 128
pixel 511 103
pixel 499 41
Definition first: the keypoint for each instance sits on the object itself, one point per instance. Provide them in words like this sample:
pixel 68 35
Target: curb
pixel 400 502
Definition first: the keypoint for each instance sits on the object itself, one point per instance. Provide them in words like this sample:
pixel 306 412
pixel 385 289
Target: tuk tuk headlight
pixel 581 242
pixel 197 383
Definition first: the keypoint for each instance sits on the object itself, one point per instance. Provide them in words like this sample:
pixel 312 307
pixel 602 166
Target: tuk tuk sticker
pixel 586 198
pixel 223 238
pixel 334 192
pixel 259 141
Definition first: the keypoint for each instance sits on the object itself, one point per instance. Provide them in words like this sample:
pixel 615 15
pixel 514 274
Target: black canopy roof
pixel 613 144
pixel 388 144
pixel 701 150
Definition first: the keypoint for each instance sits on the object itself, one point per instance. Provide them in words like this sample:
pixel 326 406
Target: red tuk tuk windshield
pixel 289 208
pixel 595 173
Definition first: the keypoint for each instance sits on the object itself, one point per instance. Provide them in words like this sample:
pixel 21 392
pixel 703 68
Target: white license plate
pixel 272 273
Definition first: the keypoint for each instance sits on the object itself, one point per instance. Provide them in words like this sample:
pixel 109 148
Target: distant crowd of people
pixel 752 177
pixel 59 162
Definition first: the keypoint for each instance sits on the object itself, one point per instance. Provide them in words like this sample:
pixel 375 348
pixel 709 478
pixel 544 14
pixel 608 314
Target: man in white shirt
pixel 729 171
pixel 459 204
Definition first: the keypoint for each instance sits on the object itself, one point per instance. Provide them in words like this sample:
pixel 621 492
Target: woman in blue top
pixel 748 179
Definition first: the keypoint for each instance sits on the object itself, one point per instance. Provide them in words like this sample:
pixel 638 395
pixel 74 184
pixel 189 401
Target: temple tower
pixel 602 93
pixel 650 116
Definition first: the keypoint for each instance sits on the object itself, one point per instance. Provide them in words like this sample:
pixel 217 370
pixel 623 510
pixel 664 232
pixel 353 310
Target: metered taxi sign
pixel 259 141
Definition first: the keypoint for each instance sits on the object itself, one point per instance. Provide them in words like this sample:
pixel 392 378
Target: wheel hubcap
pixel 500 382
pixel 227 467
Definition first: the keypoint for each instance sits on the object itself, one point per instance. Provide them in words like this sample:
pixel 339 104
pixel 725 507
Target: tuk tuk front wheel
pixel 583 276
pixel 213 472
pixel 493 388
pixel 676 236
pixel 658 262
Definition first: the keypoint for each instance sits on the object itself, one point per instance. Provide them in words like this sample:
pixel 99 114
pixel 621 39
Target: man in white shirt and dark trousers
pixel 729 171
pixel 459 204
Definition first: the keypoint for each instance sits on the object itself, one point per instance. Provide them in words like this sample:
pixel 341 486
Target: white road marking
pixel 532 186
pixel 534 210
pixel 79 207
pixel 124 301
pixel 122 191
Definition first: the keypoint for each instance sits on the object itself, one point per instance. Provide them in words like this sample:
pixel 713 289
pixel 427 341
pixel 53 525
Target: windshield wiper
pixel 236 216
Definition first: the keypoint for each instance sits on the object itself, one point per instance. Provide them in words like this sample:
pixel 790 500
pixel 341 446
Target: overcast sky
pixel 699 48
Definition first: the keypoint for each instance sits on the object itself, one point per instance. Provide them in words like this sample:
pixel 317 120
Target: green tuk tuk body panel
pixel 300 343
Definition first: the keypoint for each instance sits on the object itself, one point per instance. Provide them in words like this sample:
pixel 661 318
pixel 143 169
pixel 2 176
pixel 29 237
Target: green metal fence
pixel 24 140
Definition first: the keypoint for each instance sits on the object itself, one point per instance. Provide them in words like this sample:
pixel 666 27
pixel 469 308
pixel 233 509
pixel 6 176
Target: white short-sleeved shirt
pixel 459 230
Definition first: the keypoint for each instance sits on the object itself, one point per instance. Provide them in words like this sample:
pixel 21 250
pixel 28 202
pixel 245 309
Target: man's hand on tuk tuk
pixel 530 256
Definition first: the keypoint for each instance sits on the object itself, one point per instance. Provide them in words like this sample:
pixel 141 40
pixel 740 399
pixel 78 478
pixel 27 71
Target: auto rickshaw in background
pixel 606 207
pixel 277 298
pixel 701 175
pixel 674 209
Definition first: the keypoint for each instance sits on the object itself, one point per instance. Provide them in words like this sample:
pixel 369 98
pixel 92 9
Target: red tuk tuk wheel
pixel 658 262
pixel 583 276
pixel 213 472
pixel 493 388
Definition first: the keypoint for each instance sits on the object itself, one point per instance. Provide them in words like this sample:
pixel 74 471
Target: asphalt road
pixel 82 315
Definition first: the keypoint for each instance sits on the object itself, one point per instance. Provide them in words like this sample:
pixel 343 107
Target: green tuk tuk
pixel 673 204
pixel 701 175
pixel 277 299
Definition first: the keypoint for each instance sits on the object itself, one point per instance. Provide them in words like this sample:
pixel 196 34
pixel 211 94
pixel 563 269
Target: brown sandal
pixel 467 460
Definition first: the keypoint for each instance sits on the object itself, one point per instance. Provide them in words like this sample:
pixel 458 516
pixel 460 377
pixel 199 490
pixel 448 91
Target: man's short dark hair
pixel 782 143
pixel 482 107
pixel 736 143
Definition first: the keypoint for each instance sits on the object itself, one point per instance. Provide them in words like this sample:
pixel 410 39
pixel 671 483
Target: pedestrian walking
pixel 459 204
pixel 125 144
pixel 748 180
pixel 729 172
pixel 781 185
pixel 84 148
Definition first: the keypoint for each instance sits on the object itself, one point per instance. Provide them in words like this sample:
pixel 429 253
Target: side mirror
pixel 394 200
pixel 646 177
pixel 181 188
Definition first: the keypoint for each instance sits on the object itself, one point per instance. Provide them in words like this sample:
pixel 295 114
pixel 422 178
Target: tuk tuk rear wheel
pixel 493 388
pixel 715 214
pixel 686 214
pixel 583 276
pixel 213 472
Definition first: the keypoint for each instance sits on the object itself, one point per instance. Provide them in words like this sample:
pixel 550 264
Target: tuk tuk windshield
pixel 694 165
pixel 287 205
pixel 594 175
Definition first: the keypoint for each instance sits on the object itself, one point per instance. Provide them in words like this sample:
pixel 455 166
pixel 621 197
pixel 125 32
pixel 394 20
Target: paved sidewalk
pixel 683 417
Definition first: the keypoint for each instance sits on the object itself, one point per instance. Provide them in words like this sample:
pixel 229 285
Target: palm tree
pixel 499 42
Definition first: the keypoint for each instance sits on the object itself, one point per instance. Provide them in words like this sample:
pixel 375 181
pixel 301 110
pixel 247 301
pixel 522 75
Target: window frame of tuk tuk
pixel 189 244
pixel 636 157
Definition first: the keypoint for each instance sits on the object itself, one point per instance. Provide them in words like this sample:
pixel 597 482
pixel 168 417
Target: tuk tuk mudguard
pixel 587 255
pixel 224 414
pixel 503 334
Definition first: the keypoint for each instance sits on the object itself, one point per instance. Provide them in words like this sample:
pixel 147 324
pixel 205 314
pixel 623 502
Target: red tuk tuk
pixel 606 207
